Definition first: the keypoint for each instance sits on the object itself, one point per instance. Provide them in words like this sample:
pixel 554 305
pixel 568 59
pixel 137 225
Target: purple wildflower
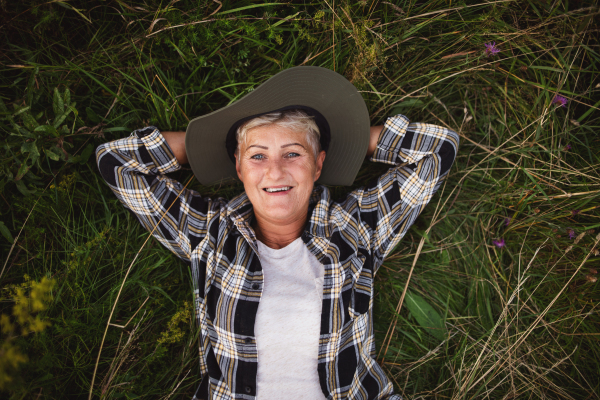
pixel 568 147
pixel 507 221
pixel 491 49
pixel 575 212
pixel 499 243
pixel 571 233
pixel 560 100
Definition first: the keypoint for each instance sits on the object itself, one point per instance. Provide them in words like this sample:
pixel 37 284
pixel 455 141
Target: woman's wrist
pixel 176 141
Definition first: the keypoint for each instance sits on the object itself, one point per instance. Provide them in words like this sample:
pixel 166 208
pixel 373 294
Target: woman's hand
pixel 176 141
pixel 375 131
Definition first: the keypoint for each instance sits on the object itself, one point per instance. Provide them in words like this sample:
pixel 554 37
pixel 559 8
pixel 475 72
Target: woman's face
pixel 278 169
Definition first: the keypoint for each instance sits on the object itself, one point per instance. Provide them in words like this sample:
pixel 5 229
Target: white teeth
pixel 281 189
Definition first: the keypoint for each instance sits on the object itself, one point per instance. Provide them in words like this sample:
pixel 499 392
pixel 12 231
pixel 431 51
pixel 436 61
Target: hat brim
pixel 324 90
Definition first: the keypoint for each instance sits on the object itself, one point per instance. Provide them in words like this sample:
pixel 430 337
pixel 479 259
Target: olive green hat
pixel 338 109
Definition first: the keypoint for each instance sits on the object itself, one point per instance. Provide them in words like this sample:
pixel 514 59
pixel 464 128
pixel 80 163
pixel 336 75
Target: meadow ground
pixel 493 292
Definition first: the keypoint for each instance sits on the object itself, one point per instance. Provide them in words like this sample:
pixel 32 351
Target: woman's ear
pixel 319 161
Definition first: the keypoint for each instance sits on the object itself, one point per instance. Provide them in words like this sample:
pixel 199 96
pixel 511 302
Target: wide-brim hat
pixel 337 107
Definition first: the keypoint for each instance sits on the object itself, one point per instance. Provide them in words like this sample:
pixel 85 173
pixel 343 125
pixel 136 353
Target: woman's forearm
pixel 176 141
pixel 375 131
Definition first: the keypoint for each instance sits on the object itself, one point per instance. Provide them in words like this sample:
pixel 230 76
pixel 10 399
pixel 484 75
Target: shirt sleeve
pixel 422 155
pixel 134 168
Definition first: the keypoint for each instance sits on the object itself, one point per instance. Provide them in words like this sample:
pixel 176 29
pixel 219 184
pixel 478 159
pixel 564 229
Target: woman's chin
pixel 278 212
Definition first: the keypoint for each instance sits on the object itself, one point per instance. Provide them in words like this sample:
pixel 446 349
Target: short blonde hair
pixel 296 120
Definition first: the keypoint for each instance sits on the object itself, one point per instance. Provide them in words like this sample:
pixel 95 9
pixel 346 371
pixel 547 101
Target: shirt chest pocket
pixel 359 303
pixel 362 289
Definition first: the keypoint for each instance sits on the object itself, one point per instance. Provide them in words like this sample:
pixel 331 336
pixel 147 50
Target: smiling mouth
pixel 279 189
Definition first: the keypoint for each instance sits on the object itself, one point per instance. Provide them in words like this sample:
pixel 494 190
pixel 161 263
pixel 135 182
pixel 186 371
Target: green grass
pixel 515 322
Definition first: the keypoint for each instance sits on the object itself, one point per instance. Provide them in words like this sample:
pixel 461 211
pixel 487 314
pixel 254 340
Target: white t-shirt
pixel 288 323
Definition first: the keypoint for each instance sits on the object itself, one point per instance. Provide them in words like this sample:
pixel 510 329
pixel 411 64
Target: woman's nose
pixel 275 169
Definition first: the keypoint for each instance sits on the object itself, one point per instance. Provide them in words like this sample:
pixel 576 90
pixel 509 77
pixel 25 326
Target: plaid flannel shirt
pixel 350 238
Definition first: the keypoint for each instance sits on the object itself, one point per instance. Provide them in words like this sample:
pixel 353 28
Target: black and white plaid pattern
pixel 350 238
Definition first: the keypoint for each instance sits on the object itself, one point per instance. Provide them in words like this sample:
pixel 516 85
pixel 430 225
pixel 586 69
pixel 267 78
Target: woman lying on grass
pixel 283 275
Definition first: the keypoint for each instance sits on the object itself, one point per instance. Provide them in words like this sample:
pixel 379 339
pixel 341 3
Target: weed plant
pixel 492 294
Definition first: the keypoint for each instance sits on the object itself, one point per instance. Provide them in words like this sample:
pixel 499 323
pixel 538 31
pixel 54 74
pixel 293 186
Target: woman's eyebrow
pixel 259 146
pixel 284 146
pixel 293 144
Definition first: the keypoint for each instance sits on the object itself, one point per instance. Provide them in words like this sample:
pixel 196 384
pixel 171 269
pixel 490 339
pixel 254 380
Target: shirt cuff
pixel 157 149
pixel 388 145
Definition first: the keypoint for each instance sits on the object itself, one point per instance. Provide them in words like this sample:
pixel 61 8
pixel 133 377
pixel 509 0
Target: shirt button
pixel 255 286
pixel 248 389
pixel 247 340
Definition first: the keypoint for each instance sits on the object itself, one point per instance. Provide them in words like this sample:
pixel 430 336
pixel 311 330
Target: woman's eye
pixel 292 155
pixel 257 157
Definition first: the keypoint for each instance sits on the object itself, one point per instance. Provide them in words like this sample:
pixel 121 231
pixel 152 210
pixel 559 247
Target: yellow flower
pixel 25 314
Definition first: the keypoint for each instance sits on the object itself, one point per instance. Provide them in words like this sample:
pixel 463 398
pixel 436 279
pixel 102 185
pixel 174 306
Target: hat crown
pixel 332 97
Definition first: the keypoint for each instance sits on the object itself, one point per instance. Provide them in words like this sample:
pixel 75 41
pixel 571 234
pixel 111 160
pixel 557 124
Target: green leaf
pixel 77 10
pixel 546 68
pixel 59 120
pixel 48 129
pixel 23 189
pixel 86 153
pixel 92 116
pixel 29 121
pixel 406 104
pixel 117 129
pixel 26 133
pixel 67 96
pixel 51 154
pixel 3 108
pixel 247 7
pixel 31 148
pixel 18 130
pixel 426 316
pixel 21 110
pixel 30 88
pixel 6 233
pixel 58 104
pixel 445 257
pixel 22 171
